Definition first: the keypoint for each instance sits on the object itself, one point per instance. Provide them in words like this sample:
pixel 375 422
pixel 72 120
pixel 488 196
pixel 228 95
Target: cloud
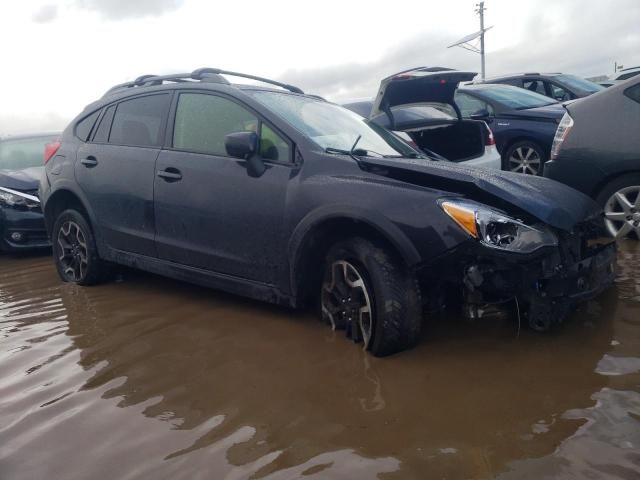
pixel 122 9
pixel 572 40
pixel 46 13
pixel 360 80
pixel 28 123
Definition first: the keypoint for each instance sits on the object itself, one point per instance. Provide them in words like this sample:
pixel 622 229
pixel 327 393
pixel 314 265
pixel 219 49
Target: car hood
pixel 548 201
pixel 23 180
pixel 553 111
pixel 435 85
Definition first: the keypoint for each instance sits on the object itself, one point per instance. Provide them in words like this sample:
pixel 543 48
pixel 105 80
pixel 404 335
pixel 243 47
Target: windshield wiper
pixel 353 149
pixel 337 150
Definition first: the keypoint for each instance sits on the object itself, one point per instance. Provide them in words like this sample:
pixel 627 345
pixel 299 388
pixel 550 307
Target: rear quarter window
pixel 104 127
pixel 85 126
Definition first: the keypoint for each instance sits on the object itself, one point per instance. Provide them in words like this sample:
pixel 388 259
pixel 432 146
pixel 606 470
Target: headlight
pixel 497 230
pixel 14 199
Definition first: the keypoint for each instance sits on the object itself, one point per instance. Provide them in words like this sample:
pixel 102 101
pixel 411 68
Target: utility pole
pixel 465 42
pixel 480 10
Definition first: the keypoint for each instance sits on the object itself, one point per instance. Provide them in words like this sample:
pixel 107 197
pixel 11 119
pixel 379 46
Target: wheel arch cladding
pixel 63 199
pixel 606 180
pixel 313 238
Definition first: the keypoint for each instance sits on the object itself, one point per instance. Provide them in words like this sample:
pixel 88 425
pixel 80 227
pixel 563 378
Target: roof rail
pixel 196 74
pixel 213 75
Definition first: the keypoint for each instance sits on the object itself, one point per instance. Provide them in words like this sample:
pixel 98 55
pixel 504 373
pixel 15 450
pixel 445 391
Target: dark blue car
pixel 21 164
pixel 523 122
pixel 281 196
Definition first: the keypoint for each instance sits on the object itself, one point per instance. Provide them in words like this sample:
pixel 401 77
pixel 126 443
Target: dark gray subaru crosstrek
pixel 284 197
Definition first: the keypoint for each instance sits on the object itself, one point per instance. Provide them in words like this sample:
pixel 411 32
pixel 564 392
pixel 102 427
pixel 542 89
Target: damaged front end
pixel 544 271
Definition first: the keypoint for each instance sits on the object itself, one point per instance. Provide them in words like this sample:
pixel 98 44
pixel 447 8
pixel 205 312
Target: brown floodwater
pixel 150 378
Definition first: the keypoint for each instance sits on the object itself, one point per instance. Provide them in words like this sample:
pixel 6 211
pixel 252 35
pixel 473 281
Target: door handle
pixel 89 162
pixel 170 174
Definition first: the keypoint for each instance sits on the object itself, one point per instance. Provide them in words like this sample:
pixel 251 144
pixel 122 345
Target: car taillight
pixel 490 139
pixel 561 134
pixel 50 150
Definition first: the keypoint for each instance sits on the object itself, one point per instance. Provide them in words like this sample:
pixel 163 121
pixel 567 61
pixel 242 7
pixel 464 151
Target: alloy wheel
pixel 622 212
pixel 525 160
pixel 345 299
pixel 73 254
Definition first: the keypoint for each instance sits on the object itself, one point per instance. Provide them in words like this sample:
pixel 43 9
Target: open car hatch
pixel 431 85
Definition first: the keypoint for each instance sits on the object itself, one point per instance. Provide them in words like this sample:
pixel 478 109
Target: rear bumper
pixel 490 159
pixel 22 230
pixel 582 178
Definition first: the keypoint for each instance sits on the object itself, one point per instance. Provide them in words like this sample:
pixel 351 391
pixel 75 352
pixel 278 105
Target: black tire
pixel 616 185
pixel 96 270
pixel 524 146
pixel 396 302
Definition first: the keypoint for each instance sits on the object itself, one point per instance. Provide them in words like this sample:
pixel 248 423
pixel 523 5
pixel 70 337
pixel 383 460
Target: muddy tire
pixel 74 250
pixel 373 295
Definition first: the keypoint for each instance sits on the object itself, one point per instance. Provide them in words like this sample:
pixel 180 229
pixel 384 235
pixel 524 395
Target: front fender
pixel 377 221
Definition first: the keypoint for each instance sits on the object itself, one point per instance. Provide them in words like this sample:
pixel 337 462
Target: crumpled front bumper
pixel 553 297
pixel 22 230
pixel 543 288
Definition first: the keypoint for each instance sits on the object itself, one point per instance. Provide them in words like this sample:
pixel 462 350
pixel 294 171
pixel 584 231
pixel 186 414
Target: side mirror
pixel 241 144
pixel 480 114
pixel 244 145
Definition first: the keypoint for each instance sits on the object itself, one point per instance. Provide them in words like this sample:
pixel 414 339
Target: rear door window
pixel 535 86
pixel 139 122
pixel 557 92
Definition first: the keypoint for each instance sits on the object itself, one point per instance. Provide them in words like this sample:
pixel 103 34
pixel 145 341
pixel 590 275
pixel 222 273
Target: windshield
pixel 20 153
pixel 579 83
pixel 513 97
pixel 332 127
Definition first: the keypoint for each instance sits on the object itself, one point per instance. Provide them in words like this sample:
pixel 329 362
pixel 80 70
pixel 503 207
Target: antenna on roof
pixel 464 41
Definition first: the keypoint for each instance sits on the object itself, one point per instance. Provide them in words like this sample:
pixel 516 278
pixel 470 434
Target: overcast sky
pixel 57 56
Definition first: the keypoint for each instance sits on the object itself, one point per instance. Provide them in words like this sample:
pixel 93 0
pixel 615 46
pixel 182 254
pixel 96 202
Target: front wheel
pixel 372 295
pixel 524 157
pixel 75 250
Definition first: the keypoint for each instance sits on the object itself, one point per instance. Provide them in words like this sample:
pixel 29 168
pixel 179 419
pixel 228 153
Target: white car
pixel 425 115
pixel 624 74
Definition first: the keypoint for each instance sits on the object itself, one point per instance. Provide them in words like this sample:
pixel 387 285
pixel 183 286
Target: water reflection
pixel 160 379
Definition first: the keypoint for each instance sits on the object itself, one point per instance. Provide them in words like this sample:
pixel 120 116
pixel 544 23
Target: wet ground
pixel 150 378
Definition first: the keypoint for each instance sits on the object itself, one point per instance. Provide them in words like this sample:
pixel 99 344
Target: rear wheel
pixel 75 252
pixel 620 200
pixel 525 157
pixel 372 295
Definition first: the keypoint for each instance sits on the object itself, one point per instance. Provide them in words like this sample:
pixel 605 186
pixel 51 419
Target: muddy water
pixel 150 378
